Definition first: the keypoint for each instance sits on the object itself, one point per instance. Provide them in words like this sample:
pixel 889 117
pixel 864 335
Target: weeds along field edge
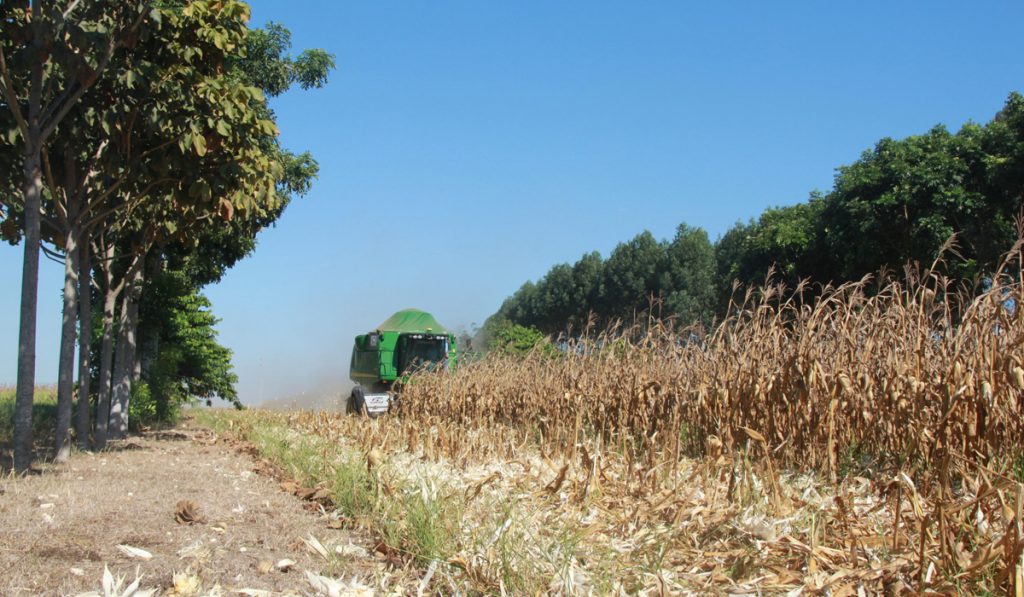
pixel 866 439
pixel 537 524
pixel 418 511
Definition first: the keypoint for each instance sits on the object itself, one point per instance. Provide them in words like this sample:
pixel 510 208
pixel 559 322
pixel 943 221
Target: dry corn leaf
pixel 351 550
pixel 135 552
pixel 316 547
pixel 285 565
pixel 186 583
pixel 556 483
pixel 320 494
pixel 374 458
pixel 330 587
pixel 833 384
pixel 187 512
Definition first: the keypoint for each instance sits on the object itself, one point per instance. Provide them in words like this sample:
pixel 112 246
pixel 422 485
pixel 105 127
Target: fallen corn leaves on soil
pixel 601 524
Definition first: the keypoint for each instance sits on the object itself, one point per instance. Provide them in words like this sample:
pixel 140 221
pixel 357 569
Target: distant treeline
pixel 899 203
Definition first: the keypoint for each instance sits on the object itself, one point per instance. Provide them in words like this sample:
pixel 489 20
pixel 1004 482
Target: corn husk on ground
pixel 868 440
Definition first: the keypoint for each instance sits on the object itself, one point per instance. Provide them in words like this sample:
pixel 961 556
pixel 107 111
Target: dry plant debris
pixel 866 439
pixel 187 512
pixel 111 510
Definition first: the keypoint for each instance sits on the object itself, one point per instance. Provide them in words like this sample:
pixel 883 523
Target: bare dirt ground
pixel 59 528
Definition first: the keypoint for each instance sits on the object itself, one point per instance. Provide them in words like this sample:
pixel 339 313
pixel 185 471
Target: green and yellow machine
pixel 384 358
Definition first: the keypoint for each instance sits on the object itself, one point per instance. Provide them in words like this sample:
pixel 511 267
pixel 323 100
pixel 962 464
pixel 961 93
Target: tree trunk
pixel 124 359
pixel 84 342
pixel 137 361
pixel 149 338
pixel 106 353
pixel 29 296
pixel 66 364
pixel 121 383
pixel 33 195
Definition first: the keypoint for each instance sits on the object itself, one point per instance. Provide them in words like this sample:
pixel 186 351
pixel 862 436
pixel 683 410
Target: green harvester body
pixel 408 339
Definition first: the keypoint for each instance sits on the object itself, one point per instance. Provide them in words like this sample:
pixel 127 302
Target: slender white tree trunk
pixel 68 339
pixel 121 383
pixel 34 132
pixel 84 342
pixel 106 353
pixel 124 358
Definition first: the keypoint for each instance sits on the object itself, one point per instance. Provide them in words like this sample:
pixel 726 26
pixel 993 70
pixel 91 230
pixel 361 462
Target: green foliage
pixel 631 277
pixel 571 297
pixel 1017 468
pixel 687 276
pixel 183 360
pixel 10 230
pixel 421 520
pixel 788 241
pixel 899 203
pixel 432 525
pixel 903 199
pixel 266 62
pixel 587 286
pixel 517 340
pixel 157 142
pixel 142 409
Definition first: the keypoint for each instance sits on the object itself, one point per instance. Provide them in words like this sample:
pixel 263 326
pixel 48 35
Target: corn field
pixel 868 438
pixel 897 376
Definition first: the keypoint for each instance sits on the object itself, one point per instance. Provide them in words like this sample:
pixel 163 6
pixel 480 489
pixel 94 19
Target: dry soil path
pixel 58 529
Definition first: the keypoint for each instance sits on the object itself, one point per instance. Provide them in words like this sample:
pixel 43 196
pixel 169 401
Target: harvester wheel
pixel 356 402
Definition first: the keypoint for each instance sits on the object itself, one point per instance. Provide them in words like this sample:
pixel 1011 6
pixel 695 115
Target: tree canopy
pixel 899 203
pixel 140 139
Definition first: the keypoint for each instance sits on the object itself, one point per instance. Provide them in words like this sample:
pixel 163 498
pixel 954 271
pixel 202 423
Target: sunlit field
pixel 866 439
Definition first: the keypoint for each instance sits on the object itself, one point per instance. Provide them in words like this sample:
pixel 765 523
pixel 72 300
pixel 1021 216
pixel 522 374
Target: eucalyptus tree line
pixel 899 203
pixel 136 127
pixel 99 167
pixel 51 54
pixel 261 68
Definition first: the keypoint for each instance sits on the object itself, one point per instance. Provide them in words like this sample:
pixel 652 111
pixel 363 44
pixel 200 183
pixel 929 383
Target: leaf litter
pixel 113 527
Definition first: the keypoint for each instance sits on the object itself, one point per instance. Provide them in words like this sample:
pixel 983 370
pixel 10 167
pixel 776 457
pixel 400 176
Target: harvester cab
pixel 383 359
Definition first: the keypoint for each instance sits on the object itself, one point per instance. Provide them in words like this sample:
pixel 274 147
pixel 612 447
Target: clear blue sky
pixel 466 147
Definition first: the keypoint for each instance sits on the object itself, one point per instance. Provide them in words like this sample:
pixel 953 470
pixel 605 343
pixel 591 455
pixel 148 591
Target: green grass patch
pixel 431 522
pixel 421 521
pixel 423 515
pixel 44 412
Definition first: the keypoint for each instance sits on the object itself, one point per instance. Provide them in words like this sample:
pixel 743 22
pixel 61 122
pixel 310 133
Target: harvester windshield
pixel 421 350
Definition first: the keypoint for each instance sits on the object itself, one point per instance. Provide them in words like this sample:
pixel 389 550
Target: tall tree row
pixel 144 141
pixel 899 203
pixel 598 291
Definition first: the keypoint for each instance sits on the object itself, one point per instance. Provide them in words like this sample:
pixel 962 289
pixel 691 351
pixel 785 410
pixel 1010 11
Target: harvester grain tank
pixel 384 358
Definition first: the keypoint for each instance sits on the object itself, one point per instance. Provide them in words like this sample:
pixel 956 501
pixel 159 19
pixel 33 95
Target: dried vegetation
pixel 866 440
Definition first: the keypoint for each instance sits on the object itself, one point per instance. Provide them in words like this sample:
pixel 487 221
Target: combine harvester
pixel 383 359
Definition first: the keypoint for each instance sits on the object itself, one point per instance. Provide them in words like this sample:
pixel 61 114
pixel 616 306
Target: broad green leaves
pixel 266 63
